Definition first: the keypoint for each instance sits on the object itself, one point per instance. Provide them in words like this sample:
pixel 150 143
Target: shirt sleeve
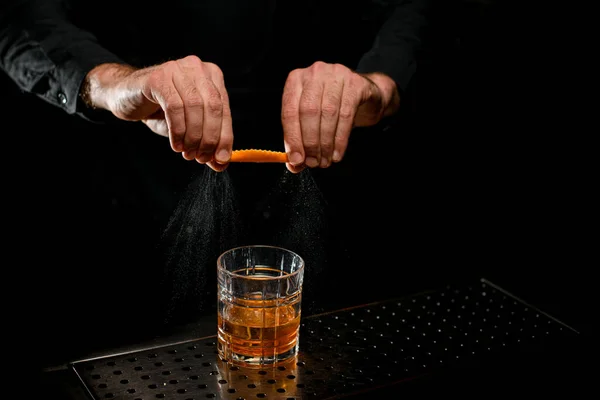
pixel 46 54
pixel 394 49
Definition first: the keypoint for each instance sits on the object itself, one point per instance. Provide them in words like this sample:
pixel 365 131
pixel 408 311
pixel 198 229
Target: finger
pixel 349 102
pixel 213 118
pixel 296 169
pixel 157 123
pixel 216 166
pixel 330 109
pixel 193 110
pixel 310 120
pixel 165 94
pixel 223 150
pixel 290 120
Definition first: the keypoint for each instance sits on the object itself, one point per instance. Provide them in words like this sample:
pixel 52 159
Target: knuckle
pixel 329 110
pixel 192 97
pixel 226 112
pixel 287 99
pixel 310 104
pixel 309 109
pixel 195 102
pixel 192 59
pixel 346 113
pixel 295 75
pixel 289 113
pixel 326 148
pixel 214 68
pixel 208 145
pixel 312 152
pixel 178 130
pixel 214 110
pixel 341 141
pixel 174 107
pixel 311 146
pixel 214 105
pixel 288 108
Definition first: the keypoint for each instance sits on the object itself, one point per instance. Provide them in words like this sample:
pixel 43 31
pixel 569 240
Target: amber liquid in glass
pixel 258 331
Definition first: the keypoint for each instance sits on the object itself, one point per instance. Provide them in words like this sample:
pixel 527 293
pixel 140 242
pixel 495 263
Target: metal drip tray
pixel 342 352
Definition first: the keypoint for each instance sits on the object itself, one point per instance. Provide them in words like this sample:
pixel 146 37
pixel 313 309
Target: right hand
pixel 184 100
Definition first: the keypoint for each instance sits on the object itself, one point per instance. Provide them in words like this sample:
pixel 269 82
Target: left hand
pixel 322 104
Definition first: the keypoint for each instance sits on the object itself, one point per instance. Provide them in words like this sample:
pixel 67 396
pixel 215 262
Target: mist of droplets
pixel 204 224
pixel 208 221
pixel 297 220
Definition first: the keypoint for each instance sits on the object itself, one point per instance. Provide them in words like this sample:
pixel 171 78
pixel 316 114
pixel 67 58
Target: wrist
pixel 390 96
pixel 100 82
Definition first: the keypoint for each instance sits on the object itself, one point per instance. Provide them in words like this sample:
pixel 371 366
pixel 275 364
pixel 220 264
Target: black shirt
pixel 105 194
pixel 48 46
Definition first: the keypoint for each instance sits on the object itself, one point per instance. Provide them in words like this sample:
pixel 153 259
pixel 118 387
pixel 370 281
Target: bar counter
pixel 461 337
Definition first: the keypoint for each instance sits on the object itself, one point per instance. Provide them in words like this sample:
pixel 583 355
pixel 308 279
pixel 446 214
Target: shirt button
pixel 62 98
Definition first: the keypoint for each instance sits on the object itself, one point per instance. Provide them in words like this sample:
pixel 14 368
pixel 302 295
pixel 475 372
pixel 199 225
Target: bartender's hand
pixel 320 106
pixel 184 100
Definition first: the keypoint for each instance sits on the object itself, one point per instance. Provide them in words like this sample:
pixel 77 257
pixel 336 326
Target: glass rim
pixel 263 246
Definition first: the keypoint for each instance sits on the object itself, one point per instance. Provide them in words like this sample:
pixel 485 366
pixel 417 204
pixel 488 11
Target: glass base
pixel 253 361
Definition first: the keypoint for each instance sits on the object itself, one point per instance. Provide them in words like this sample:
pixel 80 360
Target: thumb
pixel 157 123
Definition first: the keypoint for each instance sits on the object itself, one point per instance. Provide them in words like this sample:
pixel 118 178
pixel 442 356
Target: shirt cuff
pixel 391 61
pixel 68 78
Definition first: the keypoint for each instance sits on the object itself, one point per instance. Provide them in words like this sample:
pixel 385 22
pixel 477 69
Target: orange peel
pixel 258 156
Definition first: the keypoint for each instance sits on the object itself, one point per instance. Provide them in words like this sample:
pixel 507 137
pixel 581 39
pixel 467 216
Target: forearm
pixel 45 54
pixel 100 82
pixel 393 52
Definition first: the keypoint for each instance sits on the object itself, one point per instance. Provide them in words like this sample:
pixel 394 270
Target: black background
pixel 479 176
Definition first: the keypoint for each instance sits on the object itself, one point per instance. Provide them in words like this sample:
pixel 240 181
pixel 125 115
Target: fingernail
pixel 223 156
pixel 324 162
pixel 312 162
pixel 336 156
pixel 295 158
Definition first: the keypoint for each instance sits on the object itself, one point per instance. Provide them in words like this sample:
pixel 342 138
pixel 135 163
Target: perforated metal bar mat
pixel 342 352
